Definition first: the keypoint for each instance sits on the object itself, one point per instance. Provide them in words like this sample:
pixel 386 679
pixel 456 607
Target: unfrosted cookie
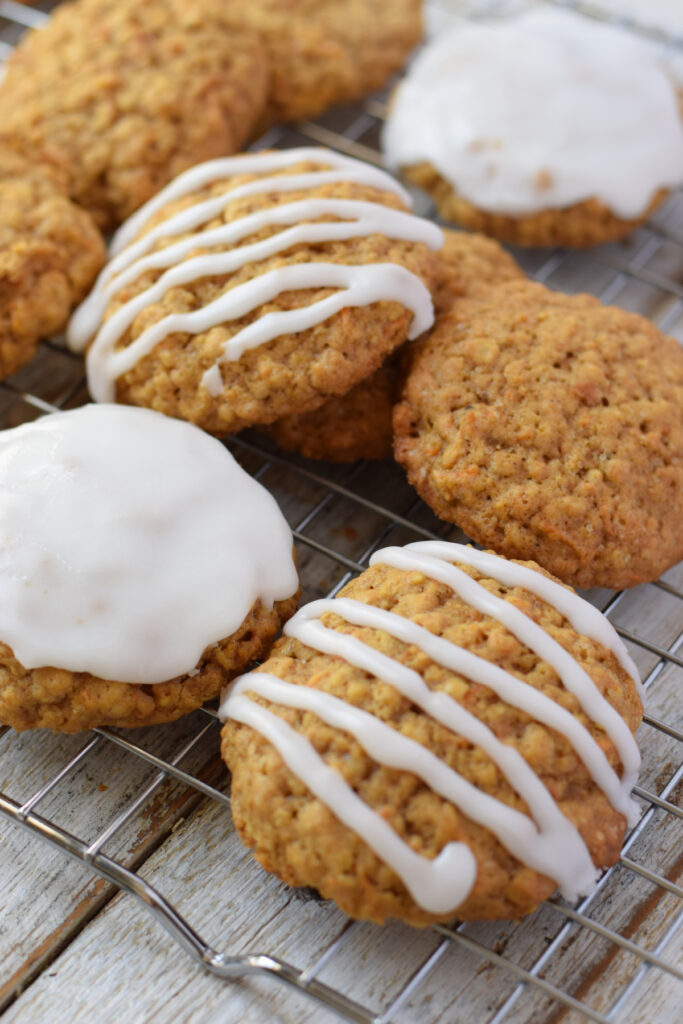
pixel 551 426
pixel 258 286
pixel 522 128
pixel 50 252
pixel 452 736
pixel 355 426
pixel 358 425
pixel 124 95
pixel 469 266
pixel 323 52
pixel 160 571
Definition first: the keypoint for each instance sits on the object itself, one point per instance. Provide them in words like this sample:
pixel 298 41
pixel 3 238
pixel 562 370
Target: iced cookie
pixel 123 96
pixel 50 253
pixel 257 286
pixel 549 426
pixel 541 129
pixel 452 736
pixel 161 571
pixel 358 425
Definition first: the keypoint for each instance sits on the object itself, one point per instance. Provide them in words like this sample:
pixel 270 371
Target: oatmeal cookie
pixel 50 252
pixel 579 226
pixel 122 96
pixel 55 698
pixel 521 127
pixel 323 52
pixel 358 425
pixel 355 426
pixel 256 287
pixel 469 266
pixel 551 426
pixel 156 577
pixel 452 736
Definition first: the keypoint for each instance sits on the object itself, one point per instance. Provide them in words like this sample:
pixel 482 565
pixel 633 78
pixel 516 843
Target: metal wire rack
pixel 597 961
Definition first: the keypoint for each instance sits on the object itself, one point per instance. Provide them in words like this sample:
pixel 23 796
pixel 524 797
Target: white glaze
pixel 359 285
pixel 546 840
pixel 553 848
pixel 360 218
pixel 447 878
pixel 584 617
pixel 130 542
pixel 539 111
pixel 510 689
pixel 248 163
pixel 574 678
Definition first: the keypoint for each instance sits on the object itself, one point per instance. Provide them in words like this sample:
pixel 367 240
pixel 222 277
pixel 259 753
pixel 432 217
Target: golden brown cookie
pixel 50 252
pixel 579 226
pixel 469 266
pixel 124 95
pixel 324 52
pixel 355 426
pixel 550 426
pixel 358 425
pixel 52 698
pixel 353 773
pixel 295 301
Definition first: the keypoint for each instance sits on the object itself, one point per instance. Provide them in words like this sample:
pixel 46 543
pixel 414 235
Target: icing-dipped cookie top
pixel 540 111
pixel 131 543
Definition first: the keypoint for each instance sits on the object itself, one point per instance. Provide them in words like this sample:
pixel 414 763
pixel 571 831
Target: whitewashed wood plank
pixel 45 898
pixel 124 967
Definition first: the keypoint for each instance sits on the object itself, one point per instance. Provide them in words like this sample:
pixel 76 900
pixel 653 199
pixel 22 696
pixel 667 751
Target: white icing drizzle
pixel 575 679
pixel 443 652
pixel 545 849
pixel 359 285
pixel 446 879
pixel 248 163
pixel 584 617
pixel 538 111
pixel 130 542
pixel 547 840
pixel 363 218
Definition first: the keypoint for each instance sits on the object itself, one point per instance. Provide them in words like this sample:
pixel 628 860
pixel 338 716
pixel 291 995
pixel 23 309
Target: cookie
pixel 323 52
pixel 469 266
pixel 551 426
pixel 50 253
pixel 522 128
pixel 358 425
pixel 451 736
pixel 124 95
pixel 257 286
pixel 161 571
pixel 355 426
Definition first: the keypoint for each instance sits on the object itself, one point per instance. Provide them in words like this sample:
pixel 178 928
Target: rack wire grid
pixel 611 958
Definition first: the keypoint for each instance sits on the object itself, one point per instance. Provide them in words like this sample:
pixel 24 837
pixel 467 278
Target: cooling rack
pixel 146 813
